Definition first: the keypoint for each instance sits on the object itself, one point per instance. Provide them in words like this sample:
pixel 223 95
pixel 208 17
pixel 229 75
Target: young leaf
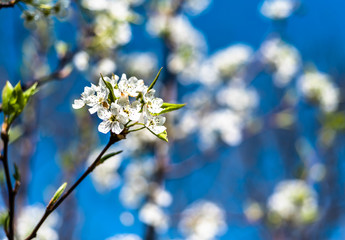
pixel 6 96
pixel 163 136
pixel 112 97
pixel 106 157
pixel 57 194
pixel 30 92
pixel 169 107
pixel 155 80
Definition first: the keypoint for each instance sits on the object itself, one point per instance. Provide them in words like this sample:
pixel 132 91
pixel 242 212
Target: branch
pixel 51 207
pixel 11 192
pixel 9 4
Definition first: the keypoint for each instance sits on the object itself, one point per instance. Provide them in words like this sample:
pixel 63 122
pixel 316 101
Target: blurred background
pixel 257 153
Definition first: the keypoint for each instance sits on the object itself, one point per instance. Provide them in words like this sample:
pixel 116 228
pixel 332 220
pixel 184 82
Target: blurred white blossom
pixel 225 63
pixel 195 7
pixel 27 220
pixel 222 124
pixel 203 220
pixel 318 87
pixel 136 182
pixel 294 201
pixel 283 58
pixel 143 64
pixel 278 9
pixel 153 215
pixel 238 98
pixel 81 60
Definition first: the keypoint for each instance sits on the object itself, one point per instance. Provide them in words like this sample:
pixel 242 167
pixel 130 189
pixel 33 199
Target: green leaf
pixel 3 218
pixel 30 92
pixel 106 157
pixel 14 99
pixel 57 194
pixel 112 97
pixel 6 96
pixel 155 80
pixel 16 173
pixel 169 107
pixel 163 136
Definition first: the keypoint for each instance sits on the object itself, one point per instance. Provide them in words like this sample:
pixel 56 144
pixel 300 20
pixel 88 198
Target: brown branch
pixel 51 207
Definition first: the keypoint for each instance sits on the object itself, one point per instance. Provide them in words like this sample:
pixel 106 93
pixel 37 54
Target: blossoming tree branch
pixel 124 106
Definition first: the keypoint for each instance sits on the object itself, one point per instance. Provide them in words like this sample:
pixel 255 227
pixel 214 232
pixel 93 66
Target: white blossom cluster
pixel 226 116
pixel 203 220
pixel 278 9
pixel 294 201
pixel 41 10
pixel 113 101
pixel 27 220
pixel 318 87
pixel 283 58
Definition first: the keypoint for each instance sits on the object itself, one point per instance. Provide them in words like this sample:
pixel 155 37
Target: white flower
pixel 132 86
pixel 113 120
pixel 154 105
pixel 131 109
pixel 316 86
pixel 87 97
pixel 278 9
pixel 154 123
pixel 293 200
pixel 203 220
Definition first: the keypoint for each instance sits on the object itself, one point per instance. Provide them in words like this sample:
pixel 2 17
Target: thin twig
pixel 51 207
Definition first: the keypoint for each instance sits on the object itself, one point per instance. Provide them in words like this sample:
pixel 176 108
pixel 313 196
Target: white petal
pixel 104 127
pixel 78 104
pixel 157 129
pixel 117 127
pixel 93 109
